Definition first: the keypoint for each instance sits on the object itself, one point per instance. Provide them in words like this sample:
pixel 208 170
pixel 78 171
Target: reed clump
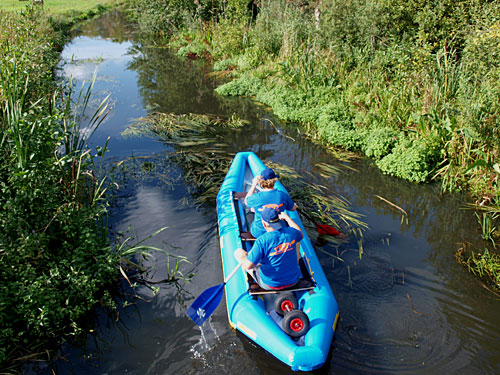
pixel 53 244
pixel 485 265
pixel 205 162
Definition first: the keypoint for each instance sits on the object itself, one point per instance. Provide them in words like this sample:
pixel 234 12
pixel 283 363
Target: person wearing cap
pixel 273 260
pixel 267 197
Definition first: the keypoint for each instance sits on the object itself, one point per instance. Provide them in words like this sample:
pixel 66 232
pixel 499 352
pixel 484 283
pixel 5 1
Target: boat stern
pixel 307 358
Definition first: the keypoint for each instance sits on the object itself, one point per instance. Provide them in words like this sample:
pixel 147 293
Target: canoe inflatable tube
pixel 254 315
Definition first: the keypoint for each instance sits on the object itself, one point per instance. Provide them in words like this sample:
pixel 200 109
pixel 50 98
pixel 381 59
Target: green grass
pixel 56 6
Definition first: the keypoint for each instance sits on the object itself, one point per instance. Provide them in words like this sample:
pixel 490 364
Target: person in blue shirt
pixel 267 197
pixel 273 260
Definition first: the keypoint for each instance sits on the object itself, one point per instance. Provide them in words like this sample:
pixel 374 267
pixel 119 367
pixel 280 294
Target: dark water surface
pixel 406 307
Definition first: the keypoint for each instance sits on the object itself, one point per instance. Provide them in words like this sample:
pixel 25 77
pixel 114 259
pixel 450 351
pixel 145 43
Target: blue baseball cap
pixel 268 174
pixel 271 217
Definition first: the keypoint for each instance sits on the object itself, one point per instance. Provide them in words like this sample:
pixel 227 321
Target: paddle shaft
pixel 232 273
pixel 206 303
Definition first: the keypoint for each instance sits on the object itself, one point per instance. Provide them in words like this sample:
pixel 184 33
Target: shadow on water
pixel 406 306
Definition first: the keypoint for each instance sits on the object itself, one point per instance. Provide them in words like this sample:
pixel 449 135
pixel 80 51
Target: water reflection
pixel 406 306
pixel 114 26
pixel 172 87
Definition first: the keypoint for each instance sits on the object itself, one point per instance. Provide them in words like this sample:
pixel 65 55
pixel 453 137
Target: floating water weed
pixel 404 216
pixel 204 172
pixel 186 130
pixel 205 168
pixel 328 170
pixel 317 200
pixel 133 256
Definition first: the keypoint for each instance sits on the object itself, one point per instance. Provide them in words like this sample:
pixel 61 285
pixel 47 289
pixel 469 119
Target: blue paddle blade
pixel 205 304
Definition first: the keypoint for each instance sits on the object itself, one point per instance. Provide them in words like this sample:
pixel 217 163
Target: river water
pixel 406 306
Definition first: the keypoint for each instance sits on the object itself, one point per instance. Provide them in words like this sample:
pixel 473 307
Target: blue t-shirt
pixel 276 251
pixel 262 199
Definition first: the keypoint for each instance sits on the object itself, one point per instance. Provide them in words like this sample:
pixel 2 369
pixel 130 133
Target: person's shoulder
pixel 264 240
pixel 285 196
pixel 293 232
pixel 252 198
pixel 268 235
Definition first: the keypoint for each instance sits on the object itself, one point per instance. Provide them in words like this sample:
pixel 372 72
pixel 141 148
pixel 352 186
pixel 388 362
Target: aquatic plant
pixel 185 130
pixel 316 199
pixel 487 223
pixel 53 245
pixel 205 168
pixel 134 271
pixel 485 265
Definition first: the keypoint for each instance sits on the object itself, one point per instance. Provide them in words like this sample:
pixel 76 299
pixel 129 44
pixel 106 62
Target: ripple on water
pixel 220 355
pixel 372 275
pixel 398 322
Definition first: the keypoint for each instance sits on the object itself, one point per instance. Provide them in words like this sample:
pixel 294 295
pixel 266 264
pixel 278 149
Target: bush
pixel 26 39
pixel 162 17
pixel 280 28
pixel 379 142
pixel 228 38
pixel 410 160
pixel 244 86
pixel 412 84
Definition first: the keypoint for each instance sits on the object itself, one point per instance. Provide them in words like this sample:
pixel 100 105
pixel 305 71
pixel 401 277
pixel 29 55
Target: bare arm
pixel 241 256
pixel 289 221
pixel 292 224
pixel 255 181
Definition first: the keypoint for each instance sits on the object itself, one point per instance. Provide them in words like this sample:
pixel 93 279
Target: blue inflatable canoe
pixel 253 315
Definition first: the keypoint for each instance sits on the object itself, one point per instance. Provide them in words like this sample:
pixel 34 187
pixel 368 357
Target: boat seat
pixel 247 236
pixel 239 195
pixel 304 283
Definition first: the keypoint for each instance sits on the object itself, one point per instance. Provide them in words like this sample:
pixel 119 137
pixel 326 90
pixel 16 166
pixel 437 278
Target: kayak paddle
pixel 207 302
pixel 322 228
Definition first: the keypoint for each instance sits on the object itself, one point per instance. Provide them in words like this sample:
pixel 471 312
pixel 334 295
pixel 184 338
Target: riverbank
pixel 58 262
pixel 54 248
pixel 414 90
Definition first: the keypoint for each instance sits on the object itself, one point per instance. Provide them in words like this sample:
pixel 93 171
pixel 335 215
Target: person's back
pixel 269 197
pixel 273 259
pixel 276 252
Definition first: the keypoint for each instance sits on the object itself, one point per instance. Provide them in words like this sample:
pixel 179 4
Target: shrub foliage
pixel 54 251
